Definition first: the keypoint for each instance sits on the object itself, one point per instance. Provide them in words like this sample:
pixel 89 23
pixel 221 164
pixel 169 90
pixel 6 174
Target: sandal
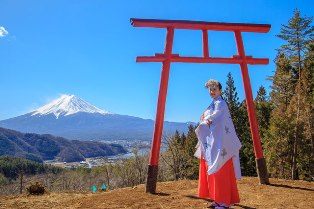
pixel 222 206
pixel 213 205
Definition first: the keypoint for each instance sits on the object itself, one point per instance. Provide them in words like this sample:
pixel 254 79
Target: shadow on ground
pixel 291 187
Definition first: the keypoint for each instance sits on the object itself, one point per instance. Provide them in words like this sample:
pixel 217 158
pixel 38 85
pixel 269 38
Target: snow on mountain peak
pixel 68 105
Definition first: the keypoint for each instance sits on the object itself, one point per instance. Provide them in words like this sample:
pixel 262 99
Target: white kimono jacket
pixel 218 142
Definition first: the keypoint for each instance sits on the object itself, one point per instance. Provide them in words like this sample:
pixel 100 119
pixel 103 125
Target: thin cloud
pixel 3 32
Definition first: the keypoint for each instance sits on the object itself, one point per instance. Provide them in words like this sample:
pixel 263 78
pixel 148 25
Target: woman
pixel 218 148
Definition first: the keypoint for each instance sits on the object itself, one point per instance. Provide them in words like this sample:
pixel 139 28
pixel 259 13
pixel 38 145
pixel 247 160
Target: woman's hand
pixel 202 117
pixel 209 122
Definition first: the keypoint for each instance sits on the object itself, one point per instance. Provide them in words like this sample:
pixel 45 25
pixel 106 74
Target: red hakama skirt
pixel 221 186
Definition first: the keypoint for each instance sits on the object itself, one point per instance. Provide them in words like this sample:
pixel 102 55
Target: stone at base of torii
pixel 218 142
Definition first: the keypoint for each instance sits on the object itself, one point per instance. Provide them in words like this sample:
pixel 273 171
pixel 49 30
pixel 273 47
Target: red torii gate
pixel 167 57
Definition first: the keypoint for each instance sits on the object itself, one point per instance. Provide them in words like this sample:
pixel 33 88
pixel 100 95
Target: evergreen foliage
pixel 298 34
pixel 289 145
pixel 230 95
pixel 12 167
pixel 263 111
pixel 247 156
pixel 179 156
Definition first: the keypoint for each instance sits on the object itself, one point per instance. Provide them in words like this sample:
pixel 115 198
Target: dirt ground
pixel 175 194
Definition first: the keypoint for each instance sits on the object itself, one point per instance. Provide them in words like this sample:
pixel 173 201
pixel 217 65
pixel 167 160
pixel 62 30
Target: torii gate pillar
pixel 168 57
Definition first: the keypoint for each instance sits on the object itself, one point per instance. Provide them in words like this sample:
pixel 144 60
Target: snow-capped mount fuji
pixel 68 105
pixel 71 117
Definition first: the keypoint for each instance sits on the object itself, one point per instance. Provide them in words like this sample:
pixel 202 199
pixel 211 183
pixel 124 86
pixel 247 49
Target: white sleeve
pixel 218 111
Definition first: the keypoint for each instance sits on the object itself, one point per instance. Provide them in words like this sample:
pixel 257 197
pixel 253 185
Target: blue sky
pixel 88 48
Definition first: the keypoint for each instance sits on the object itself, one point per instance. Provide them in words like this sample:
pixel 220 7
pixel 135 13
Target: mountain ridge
pixel 39 148
pixel 73 118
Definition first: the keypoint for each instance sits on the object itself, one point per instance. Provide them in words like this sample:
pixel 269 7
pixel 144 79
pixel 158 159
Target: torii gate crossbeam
pixel 167 57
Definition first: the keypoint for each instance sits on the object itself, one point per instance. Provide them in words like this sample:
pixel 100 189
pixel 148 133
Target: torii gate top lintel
pixel 170 25
pixel 200 25
pixel 167 57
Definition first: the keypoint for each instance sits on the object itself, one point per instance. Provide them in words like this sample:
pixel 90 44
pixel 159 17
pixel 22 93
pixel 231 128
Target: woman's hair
pixel 213 83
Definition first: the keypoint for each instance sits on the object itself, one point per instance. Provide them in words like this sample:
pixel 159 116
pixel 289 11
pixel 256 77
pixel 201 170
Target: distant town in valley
pixel 134 147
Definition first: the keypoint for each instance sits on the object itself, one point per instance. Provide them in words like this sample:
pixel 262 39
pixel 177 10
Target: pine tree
pixel 289 136
pixel 230 95
pixel 191 140
pixel 177 137
pixel 247 157
pixel 176 156
pixel 298 33
pixel 263 111
pixel 304 126
pixel 193 162
pixel 183 139
pixel 278 142
pixel 283 82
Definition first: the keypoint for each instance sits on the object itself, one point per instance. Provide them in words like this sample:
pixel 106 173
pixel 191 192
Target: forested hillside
pixel 289 141
pixel 12 167
pixel 47 147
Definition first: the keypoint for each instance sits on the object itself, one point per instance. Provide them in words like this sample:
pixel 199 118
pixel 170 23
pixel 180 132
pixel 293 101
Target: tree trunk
pixel 108 178
pixel 21 182
pixel 294 172
pixel 294 155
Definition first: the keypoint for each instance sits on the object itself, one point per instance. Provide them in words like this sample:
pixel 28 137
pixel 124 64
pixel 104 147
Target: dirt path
pixel 179 194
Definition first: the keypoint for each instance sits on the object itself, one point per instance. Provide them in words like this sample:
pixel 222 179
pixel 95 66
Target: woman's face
pixel 214 92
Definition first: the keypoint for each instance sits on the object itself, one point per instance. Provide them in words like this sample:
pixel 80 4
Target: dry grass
pixel 179 194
